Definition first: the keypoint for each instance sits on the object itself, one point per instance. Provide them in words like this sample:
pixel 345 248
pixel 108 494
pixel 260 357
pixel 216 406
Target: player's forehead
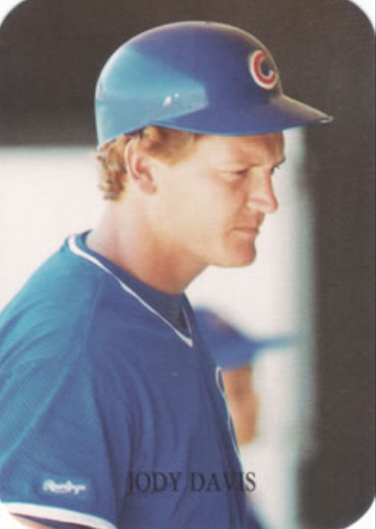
pixel 253 150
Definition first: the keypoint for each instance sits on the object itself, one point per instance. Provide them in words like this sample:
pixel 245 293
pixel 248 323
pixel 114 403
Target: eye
pixel 243 172
pixel 275 169
pixel 278 166
pixel 235 174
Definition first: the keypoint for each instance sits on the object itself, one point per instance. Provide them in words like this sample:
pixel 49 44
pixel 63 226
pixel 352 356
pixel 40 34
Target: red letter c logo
pixel 267 81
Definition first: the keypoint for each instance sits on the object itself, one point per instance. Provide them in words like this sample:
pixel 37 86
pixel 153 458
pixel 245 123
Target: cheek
pixel 201 202
pixel 213 208
pixel 225 204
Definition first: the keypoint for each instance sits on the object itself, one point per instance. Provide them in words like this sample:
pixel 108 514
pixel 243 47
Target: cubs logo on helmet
pixel 262 72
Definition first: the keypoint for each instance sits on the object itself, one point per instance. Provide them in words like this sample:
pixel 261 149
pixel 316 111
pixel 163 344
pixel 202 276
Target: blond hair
pixel 168 145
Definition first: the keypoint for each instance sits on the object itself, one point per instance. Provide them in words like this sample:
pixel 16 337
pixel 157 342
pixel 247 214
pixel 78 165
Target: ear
pixel 139 168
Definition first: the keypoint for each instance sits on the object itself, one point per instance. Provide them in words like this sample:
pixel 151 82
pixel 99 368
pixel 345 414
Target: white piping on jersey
pixel 77 251
pixel 56 514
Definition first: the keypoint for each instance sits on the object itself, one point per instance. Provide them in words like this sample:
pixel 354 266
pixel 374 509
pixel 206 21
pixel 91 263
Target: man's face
pixel 209 207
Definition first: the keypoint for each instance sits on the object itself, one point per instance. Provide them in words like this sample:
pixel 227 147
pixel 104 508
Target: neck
pixel 127 241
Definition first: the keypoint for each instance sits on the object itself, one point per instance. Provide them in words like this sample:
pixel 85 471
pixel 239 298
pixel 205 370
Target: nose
pixel 262 196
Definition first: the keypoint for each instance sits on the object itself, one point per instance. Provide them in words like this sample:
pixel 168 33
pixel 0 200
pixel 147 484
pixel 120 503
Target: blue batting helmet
pixel 201 77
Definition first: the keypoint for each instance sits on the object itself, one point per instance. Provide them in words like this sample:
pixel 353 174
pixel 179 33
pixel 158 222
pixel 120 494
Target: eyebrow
pixel 281 162
pixel 277 164
pixel 231 163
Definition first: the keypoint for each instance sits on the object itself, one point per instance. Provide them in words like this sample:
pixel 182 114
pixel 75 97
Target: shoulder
pixel 66 307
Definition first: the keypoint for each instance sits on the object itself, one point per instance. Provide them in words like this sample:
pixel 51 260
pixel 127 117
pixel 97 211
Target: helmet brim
pixel 279 114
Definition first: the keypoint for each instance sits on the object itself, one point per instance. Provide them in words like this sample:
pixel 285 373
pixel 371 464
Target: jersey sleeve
pixel 65 444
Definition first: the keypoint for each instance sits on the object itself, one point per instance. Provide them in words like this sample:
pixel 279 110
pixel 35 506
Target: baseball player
pixel 112 410
pixel 235 353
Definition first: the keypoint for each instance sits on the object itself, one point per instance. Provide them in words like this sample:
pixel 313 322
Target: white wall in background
pixel 45 195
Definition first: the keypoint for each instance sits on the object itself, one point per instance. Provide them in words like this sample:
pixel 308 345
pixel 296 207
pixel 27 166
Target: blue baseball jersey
pixel 112 410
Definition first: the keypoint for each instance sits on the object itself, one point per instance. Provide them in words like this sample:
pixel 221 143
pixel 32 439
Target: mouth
pixel 250 231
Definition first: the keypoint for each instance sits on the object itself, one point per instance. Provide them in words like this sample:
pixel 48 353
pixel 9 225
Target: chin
pixel 239 259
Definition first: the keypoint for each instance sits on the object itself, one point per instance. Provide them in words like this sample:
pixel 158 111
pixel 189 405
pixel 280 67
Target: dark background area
pixel 51 53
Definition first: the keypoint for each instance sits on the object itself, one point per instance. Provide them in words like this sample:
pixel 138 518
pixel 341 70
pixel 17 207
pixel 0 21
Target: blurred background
pixel 314 277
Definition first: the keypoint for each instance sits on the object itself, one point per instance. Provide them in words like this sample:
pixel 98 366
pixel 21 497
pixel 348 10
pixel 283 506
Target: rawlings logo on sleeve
pixel 68 487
